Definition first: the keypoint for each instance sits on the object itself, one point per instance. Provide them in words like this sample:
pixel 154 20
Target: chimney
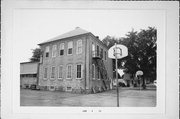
pixel 77 27
pixel 97 37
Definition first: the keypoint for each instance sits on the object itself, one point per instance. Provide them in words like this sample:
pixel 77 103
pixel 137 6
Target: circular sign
pixel 118 50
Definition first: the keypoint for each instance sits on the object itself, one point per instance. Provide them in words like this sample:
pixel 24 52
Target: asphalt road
pixel 127 98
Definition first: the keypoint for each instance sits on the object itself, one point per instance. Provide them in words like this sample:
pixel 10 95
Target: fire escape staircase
pixel 104 75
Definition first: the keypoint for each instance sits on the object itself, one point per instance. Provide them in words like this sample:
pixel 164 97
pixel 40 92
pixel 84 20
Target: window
pixel 79 47
pixel 93 71
pixel 47 51
pixel 70 47
pixel 105 55
pixel 99 74
pixel 69 71
pixel 101 53
pixel 79 71
pixel 34 75
pixel 54 51
pixel 69 88
pixel 61 47
pixel 45 72
pixel 93 49
pixel 60 72
pixel 97 50
pixel 53 72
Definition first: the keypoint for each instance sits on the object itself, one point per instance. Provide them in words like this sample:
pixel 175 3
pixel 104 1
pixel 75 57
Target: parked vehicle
pixel 34 87
pixel 121 83
pixel 155 82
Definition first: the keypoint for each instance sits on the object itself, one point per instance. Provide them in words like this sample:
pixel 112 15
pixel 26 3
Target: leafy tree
pixel 109 41
pixel 36 55
pixel 141 51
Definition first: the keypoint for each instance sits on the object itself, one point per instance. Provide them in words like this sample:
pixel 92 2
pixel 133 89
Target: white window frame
pixel 68 72
pixel 61 47
pixel 93 49
pixel 54 48
pixel 99 74
pixel 98 50
pixel 45 78
pixel 47 51
pixel 105 55
pixel 61 66
pixel 101 52
pixel 69 47
pixel 93 72
pixel 68 90
pixel 81 71
pixel 54 72
pixel 79 45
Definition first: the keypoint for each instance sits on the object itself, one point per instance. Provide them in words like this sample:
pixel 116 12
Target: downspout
pixel 85 63
pixel 38 66
pixel 38 74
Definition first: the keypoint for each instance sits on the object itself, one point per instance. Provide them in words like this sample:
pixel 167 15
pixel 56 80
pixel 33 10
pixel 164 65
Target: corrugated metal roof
pixel 75 32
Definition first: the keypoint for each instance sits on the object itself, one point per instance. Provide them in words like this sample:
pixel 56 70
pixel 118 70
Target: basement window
pixel 68 88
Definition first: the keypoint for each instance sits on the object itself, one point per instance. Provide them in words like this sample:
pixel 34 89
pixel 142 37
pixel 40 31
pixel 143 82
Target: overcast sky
pixel 33 26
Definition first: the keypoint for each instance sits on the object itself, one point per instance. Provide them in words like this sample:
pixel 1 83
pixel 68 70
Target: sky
pixel 33 26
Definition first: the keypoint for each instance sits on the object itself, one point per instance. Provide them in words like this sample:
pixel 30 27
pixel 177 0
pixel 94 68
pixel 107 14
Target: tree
pixel 109 41
pixel 141 51
pixel 36 55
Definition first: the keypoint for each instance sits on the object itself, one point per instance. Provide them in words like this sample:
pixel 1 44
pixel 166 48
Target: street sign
pixel 119 50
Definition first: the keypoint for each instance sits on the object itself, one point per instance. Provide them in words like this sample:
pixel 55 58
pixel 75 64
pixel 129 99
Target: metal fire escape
pixel 97 57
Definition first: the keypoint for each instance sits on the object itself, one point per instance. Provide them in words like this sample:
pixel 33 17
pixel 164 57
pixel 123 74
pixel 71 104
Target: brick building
pixel 76 61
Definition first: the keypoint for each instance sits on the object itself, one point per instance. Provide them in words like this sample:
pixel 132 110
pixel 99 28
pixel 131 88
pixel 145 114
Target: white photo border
pixel 167 55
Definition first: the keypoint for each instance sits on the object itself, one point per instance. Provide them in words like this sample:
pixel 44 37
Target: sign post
pixel 117 52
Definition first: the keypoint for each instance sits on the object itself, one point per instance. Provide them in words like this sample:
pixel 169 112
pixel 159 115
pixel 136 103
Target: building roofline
pixel 99 40
pixel 28 62
pixel 76 36
pixel 63 38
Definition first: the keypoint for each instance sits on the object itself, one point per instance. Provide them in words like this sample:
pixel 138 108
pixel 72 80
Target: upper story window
pixel 93 49
pixel 70 47
pixel 54 50
pixel 79 71
pixel 105 55
pixel 47 51
pixel 61 49
pixel 97 50
pixel 79 47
